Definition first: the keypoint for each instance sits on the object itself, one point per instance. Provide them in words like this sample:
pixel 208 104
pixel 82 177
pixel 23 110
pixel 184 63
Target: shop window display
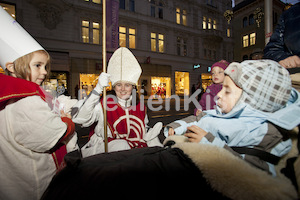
pixel 87 84
pixel 160 87
pixel 206 80
pixel 57 83
pixel 182 83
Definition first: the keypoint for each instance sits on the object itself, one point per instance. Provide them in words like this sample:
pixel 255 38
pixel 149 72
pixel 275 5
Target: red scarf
pixel 15 89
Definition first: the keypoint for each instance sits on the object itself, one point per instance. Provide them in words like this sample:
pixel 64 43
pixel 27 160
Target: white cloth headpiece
pixel 123 66
pixel 15 41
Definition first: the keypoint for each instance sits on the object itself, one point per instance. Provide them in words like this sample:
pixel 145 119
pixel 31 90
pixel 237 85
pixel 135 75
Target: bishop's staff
pixel 104 70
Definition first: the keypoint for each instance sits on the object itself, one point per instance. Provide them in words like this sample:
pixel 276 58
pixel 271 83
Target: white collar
pixel 125 103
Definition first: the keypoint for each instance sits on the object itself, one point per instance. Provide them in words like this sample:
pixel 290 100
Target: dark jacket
pixel 285 41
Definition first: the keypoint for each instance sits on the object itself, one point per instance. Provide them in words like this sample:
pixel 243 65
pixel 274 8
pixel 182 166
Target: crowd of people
pixel 238 111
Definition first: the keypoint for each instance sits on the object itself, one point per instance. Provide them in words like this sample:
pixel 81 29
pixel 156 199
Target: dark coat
pixel 143 173
pixel 285 41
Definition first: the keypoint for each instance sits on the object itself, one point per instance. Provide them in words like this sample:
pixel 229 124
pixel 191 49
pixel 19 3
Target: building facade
pixel 175 41
pixel 249 27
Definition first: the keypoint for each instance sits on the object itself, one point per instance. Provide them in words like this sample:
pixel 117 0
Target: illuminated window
pixel 245 41
pixel 90 32
pixel 85 31
pixel 132 38
pixel 161 43
pixel 228 32
pixel 184 17
pixel 204 23
pixel 122 36
pixel 97 1
pixel 160 86
pixel 178 15
pixel 94 1
pixel 96 33
pixel 127 34
pixel 157 40
pixel 252 38
pixel 209 23
pixel 182 83
pixel 153 41
pixel 214 24
pixel 181 17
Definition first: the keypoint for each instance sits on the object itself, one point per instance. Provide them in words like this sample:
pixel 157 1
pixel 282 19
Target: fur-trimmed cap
pixel 266 84
pixel 123 66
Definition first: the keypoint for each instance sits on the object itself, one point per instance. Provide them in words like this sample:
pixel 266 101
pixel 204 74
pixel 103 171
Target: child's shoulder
pixel 214 88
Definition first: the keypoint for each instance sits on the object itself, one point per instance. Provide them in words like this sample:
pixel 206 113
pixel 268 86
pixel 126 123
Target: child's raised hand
pixel 195 133
pixel 171 131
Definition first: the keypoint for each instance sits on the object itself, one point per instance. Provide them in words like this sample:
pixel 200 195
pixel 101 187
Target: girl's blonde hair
pixel 22 68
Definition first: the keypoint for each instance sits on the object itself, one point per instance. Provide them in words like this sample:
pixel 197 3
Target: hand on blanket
pixel 195 133
pixel 171 131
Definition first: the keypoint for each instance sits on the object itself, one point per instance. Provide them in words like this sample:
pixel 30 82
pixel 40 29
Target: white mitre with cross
pixel 123 66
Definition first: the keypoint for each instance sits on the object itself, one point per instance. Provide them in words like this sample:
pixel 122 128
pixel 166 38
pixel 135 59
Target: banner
pixel 112 27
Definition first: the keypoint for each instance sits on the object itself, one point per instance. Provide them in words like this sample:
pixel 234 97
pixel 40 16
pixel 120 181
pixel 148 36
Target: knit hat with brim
pixel 222 64
pixel 266 84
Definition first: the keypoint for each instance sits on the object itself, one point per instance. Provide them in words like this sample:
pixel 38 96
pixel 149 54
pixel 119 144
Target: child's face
pixel 217 74
pixel 229 95
pixel 38 67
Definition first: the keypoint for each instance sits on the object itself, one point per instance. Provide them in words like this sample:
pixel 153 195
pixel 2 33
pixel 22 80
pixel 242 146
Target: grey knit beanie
pixel 266 84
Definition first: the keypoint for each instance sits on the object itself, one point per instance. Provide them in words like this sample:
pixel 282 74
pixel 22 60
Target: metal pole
pixel 104 70
pixel 268 20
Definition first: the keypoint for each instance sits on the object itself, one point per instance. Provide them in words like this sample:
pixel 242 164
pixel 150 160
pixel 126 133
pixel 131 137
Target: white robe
pixel 28 131
pixel 91 111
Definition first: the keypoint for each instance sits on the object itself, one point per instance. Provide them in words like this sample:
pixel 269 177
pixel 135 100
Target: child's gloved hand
pixel 103 81
pixel 151 137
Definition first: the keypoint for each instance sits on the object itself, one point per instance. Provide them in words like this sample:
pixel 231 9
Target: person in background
pixel 33 138
pixel 208 100
pixel 257 54
pixel 284 44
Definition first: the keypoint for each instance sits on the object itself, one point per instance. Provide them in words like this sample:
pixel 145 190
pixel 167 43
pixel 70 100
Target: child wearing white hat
pixel 126 116
pixel 256 95
pixel 32 136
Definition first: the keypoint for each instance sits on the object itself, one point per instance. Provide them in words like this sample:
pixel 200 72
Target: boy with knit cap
pixel 256 95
